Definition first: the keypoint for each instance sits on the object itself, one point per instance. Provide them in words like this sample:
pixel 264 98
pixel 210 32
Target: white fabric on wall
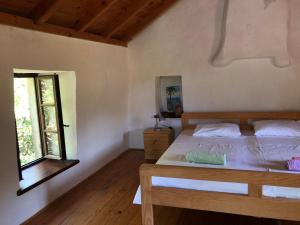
pixel 254 29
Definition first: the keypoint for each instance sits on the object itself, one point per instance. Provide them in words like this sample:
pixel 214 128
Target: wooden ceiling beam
pixel 150 18
pixel 26 23
pixel 127 20
pixel 45 10
pixel 87 21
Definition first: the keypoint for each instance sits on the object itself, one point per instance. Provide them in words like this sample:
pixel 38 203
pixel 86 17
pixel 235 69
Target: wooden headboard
pixel 244 118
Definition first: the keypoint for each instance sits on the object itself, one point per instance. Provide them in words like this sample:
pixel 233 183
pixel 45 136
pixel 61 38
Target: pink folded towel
pixel 293 164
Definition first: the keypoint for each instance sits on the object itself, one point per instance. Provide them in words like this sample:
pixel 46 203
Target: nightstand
pixel 157 142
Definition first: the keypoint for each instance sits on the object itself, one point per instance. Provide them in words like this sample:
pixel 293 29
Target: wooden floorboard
pixel 106 197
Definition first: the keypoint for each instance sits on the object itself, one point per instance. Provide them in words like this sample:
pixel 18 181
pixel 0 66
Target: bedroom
pixel 115 92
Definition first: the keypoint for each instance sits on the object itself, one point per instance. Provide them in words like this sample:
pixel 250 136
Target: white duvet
pixel 246 152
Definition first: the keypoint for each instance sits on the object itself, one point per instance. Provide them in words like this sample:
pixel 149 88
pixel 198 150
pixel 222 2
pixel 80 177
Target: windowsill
pixel 43 171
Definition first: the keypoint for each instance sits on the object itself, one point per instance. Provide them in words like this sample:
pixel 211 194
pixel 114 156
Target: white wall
pixel 67 83
pixel 181 42
pixel 102 91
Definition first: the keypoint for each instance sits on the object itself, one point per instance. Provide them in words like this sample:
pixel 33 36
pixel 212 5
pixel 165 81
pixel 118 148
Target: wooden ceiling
pixel 109 21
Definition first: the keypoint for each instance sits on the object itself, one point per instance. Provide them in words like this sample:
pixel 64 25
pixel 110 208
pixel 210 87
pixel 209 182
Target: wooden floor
pixel 106 199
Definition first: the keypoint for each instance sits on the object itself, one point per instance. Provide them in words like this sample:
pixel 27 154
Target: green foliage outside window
pixel 23 90
pixel 25 140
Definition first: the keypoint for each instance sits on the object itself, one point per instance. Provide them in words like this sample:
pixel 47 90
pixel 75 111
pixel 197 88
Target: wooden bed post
pixel 147 207
pixel 255 190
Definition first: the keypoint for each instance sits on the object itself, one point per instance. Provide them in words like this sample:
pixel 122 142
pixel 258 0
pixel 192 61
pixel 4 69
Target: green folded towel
pixel 206 158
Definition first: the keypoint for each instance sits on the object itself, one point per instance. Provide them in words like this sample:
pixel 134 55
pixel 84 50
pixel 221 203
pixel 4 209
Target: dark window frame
pixel 59 119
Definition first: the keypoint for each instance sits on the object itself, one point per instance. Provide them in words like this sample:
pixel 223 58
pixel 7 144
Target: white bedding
pixel 243 153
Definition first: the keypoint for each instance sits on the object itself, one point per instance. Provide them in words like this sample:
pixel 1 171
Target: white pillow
pixel 279 128
pixel 217 130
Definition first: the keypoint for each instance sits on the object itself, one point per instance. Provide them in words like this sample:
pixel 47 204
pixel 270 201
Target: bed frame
pixel 253 204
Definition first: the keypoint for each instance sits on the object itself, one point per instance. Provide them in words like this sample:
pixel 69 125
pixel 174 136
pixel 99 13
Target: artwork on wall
pixel 255 39
pixel 169 96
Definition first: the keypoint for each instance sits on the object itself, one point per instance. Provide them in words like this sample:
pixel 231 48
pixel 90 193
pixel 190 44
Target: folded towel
pixel 206 158
pixel 293 165
pixel 296 158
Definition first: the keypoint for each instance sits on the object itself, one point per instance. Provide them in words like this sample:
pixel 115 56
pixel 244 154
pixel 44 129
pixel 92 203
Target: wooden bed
pixel 253 204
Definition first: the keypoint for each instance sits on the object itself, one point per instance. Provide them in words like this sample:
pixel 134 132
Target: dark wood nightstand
pixel 157 142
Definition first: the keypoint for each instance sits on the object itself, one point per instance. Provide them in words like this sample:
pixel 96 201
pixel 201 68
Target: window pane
pixel 49 116
pixel 26 115
pixel 52 144
pixel 47 94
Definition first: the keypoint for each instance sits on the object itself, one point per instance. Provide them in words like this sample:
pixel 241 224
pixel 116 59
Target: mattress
pixel 243 153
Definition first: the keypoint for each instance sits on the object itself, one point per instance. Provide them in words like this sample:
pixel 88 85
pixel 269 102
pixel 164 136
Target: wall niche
pixel 169 96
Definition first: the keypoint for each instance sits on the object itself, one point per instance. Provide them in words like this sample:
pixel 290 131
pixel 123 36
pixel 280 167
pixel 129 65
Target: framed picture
pixel 169 96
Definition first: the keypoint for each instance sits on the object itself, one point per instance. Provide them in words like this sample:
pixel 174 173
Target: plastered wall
pixel 101 111
pixel 182 42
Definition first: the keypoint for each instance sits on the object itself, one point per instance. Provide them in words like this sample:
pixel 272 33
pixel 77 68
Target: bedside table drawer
pixel 153 153
pixel 157 142
pixel 156 146
pixel 153 140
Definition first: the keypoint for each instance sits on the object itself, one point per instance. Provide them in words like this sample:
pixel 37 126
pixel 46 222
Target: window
pixel 39 122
